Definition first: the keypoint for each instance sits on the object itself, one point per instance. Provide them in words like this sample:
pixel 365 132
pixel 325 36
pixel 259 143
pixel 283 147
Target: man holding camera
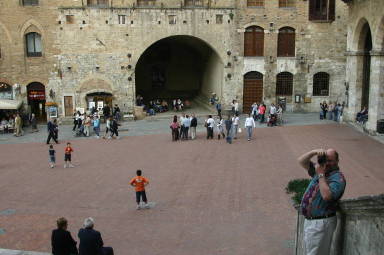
pixel 319 203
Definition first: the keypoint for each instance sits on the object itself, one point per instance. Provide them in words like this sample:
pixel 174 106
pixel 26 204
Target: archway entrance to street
pixel 36 99
pixel 253 90
pixel 179 67
pixel 366 47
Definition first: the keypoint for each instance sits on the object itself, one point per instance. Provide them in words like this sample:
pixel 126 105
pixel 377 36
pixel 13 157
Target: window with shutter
pixel 321 84
pixel 33 45
pixel 286 3
pixel 286 42
pixel 254 41
pixel 30 2
pixel 322 10
pixel 143 3
pixel 255 3
pixel 284 84
pixel 97 2
pixel 193 3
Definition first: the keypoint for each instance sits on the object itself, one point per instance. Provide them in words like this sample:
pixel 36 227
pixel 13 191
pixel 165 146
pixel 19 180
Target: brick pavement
pixel 211 197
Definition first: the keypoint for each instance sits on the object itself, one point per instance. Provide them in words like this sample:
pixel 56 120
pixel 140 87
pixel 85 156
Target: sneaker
pixel 138 207
pixel 146 206
pixel 51 166
pixel 65 166
pixel 71 166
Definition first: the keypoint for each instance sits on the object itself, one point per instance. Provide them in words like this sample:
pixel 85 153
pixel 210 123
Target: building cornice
pixel 362 53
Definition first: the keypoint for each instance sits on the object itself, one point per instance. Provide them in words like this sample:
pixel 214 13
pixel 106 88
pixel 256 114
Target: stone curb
pixel 16 252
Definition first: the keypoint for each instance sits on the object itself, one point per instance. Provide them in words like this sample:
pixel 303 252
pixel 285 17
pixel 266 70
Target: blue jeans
pixel 97 130
pixel 249 132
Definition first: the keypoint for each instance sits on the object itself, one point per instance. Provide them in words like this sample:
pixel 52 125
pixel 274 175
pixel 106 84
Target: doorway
pixel 36 100
pixel 253 90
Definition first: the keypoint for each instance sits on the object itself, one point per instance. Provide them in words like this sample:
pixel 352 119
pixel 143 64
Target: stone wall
pixel 359 228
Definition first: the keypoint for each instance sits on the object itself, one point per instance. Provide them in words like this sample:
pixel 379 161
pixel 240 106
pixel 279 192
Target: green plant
pixel 297 187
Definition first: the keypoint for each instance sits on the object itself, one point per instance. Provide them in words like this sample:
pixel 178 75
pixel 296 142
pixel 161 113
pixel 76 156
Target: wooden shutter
pixel 248 43
pixel 286 42
pixel 312 9
pixel 259 41
pixel 331 10
pixel 254 41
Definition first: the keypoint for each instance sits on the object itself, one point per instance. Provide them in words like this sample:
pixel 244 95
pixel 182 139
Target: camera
pixel 322 159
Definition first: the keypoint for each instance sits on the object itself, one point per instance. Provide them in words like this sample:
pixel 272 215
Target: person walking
pixel 210 124
pixel 220 128
pixel 96 126
pixel 320 199
pixel 218 108
pixel 114 129
pixel 61 239
pixel 68 156
pixel 33 123
pixel 140 182
pixel 52 156
pixel 254 110
pixel 193 126
pixel 106 112
pixel 235 125
pixel 51 132
pixel 249 126
pixel 108 128
pixel 76 117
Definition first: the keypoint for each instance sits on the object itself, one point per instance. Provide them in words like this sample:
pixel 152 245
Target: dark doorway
pixel 178 67
pixel 36 100
pixel 366 66
pixel 253 90
pixel 98 100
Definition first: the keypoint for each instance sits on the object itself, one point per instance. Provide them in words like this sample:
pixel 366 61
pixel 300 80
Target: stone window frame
pixel 146 3
pixel 70 19
pixel 97 3
pixel 33 53
pixel 219 18
pixel 255 3
pixel 322 10
pixel 122 19
pixel 193 3
pixel 287 3
pixel 172 19
pixel 320 84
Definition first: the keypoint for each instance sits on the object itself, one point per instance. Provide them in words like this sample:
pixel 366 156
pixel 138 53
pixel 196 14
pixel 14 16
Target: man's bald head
pixel 332 154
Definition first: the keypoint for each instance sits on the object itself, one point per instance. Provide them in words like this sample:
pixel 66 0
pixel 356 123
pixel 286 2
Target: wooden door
pixel 68 105
pixel 253 90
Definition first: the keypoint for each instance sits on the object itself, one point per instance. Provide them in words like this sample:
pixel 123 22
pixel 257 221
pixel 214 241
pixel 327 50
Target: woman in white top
pixel 220 128
pixel 249 126
pixel 235 125
pixel 107 128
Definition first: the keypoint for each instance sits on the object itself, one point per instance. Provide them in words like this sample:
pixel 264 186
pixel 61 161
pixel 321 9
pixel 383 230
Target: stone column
pixel 354 71
pixel 376 90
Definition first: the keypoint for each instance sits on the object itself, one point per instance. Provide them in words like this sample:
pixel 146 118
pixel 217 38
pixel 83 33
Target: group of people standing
pixel 82 124
pixel 334 111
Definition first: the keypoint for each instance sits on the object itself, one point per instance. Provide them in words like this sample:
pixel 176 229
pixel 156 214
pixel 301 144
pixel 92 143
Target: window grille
pixel 322 10
pixel 121 19
pixel 286 3
pixel 284 84
pixel 321 84
pixel 255 3
pixel 286 42
pixel 70 19
pixel 254 41
pixel 97 2
pixel 172 19
pixel 33 44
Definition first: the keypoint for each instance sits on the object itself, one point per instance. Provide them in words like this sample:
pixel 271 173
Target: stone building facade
pixel 365 60
pixel 83 51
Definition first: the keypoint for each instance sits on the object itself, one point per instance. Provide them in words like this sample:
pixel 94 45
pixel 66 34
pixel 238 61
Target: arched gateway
pixel 179 67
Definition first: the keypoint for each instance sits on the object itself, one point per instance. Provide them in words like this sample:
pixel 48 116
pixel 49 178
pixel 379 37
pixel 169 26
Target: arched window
pixel 97 2
pixel 286 42
pixel 321 84
pixel 34 45
pixel 286 3
pixel 322 10
pixel 255 3
pixel 6 91
pixel 284 84
pixel 254 41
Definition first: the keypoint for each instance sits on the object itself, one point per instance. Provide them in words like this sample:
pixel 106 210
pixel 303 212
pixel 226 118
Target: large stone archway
pixel 94 90
pixel 179 67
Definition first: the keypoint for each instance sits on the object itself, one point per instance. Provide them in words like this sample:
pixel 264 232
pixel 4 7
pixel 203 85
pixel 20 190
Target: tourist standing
pixel 108 128
pixel 324 108
pixel 175 129
pixel 34 123
pixel 210 124
pixel 18 125
pixel 279 113
pixel 320 200
pixel 116 112
pixel 220 128
pixel 249 125
pixel 331 109
pixel 106 112
pixel 52 156
pixel 68 156
pixel 193 126
pixel 114 129
pixel 218 108
pixel 87 125
pixel 61 239
pixel 76 117
pixel 262 109
pixel 139 182
pixel 51 132
pixel 254 109
pixel 96 126
pixel 186 124
pixel 235 125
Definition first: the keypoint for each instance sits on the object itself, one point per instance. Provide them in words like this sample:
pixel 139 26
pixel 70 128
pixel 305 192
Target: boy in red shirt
pixel 67 156
pixel 139 182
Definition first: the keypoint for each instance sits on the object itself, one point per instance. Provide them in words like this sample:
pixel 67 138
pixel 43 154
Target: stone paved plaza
pixel 209 197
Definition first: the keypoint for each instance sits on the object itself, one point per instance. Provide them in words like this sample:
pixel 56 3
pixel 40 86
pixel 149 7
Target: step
pixel 17 252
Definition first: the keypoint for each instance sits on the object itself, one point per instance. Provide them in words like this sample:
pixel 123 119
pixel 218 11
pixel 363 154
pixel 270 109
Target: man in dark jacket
pixel 91 242
pixel 62 241
pixel 52 128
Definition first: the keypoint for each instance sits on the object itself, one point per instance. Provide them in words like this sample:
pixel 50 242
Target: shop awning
pixel 10 104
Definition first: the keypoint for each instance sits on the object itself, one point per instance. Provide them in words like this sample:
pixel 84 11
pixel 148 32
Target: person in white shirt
pixel 210 124
pixel 220 128
pixel 272 110
pixel 249 126
pixel 254 110
pixel 235 124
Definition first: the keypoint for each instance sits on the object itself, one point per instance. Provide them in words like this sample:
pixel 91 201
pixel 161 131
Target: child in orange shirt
pixel 67 156
pixel 139 182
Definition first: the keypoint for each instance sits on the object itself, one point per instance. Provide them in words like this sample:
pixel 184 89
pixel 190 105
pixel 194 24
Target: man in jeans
pixel 320 200
pixel 249 125
pixel 193 126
